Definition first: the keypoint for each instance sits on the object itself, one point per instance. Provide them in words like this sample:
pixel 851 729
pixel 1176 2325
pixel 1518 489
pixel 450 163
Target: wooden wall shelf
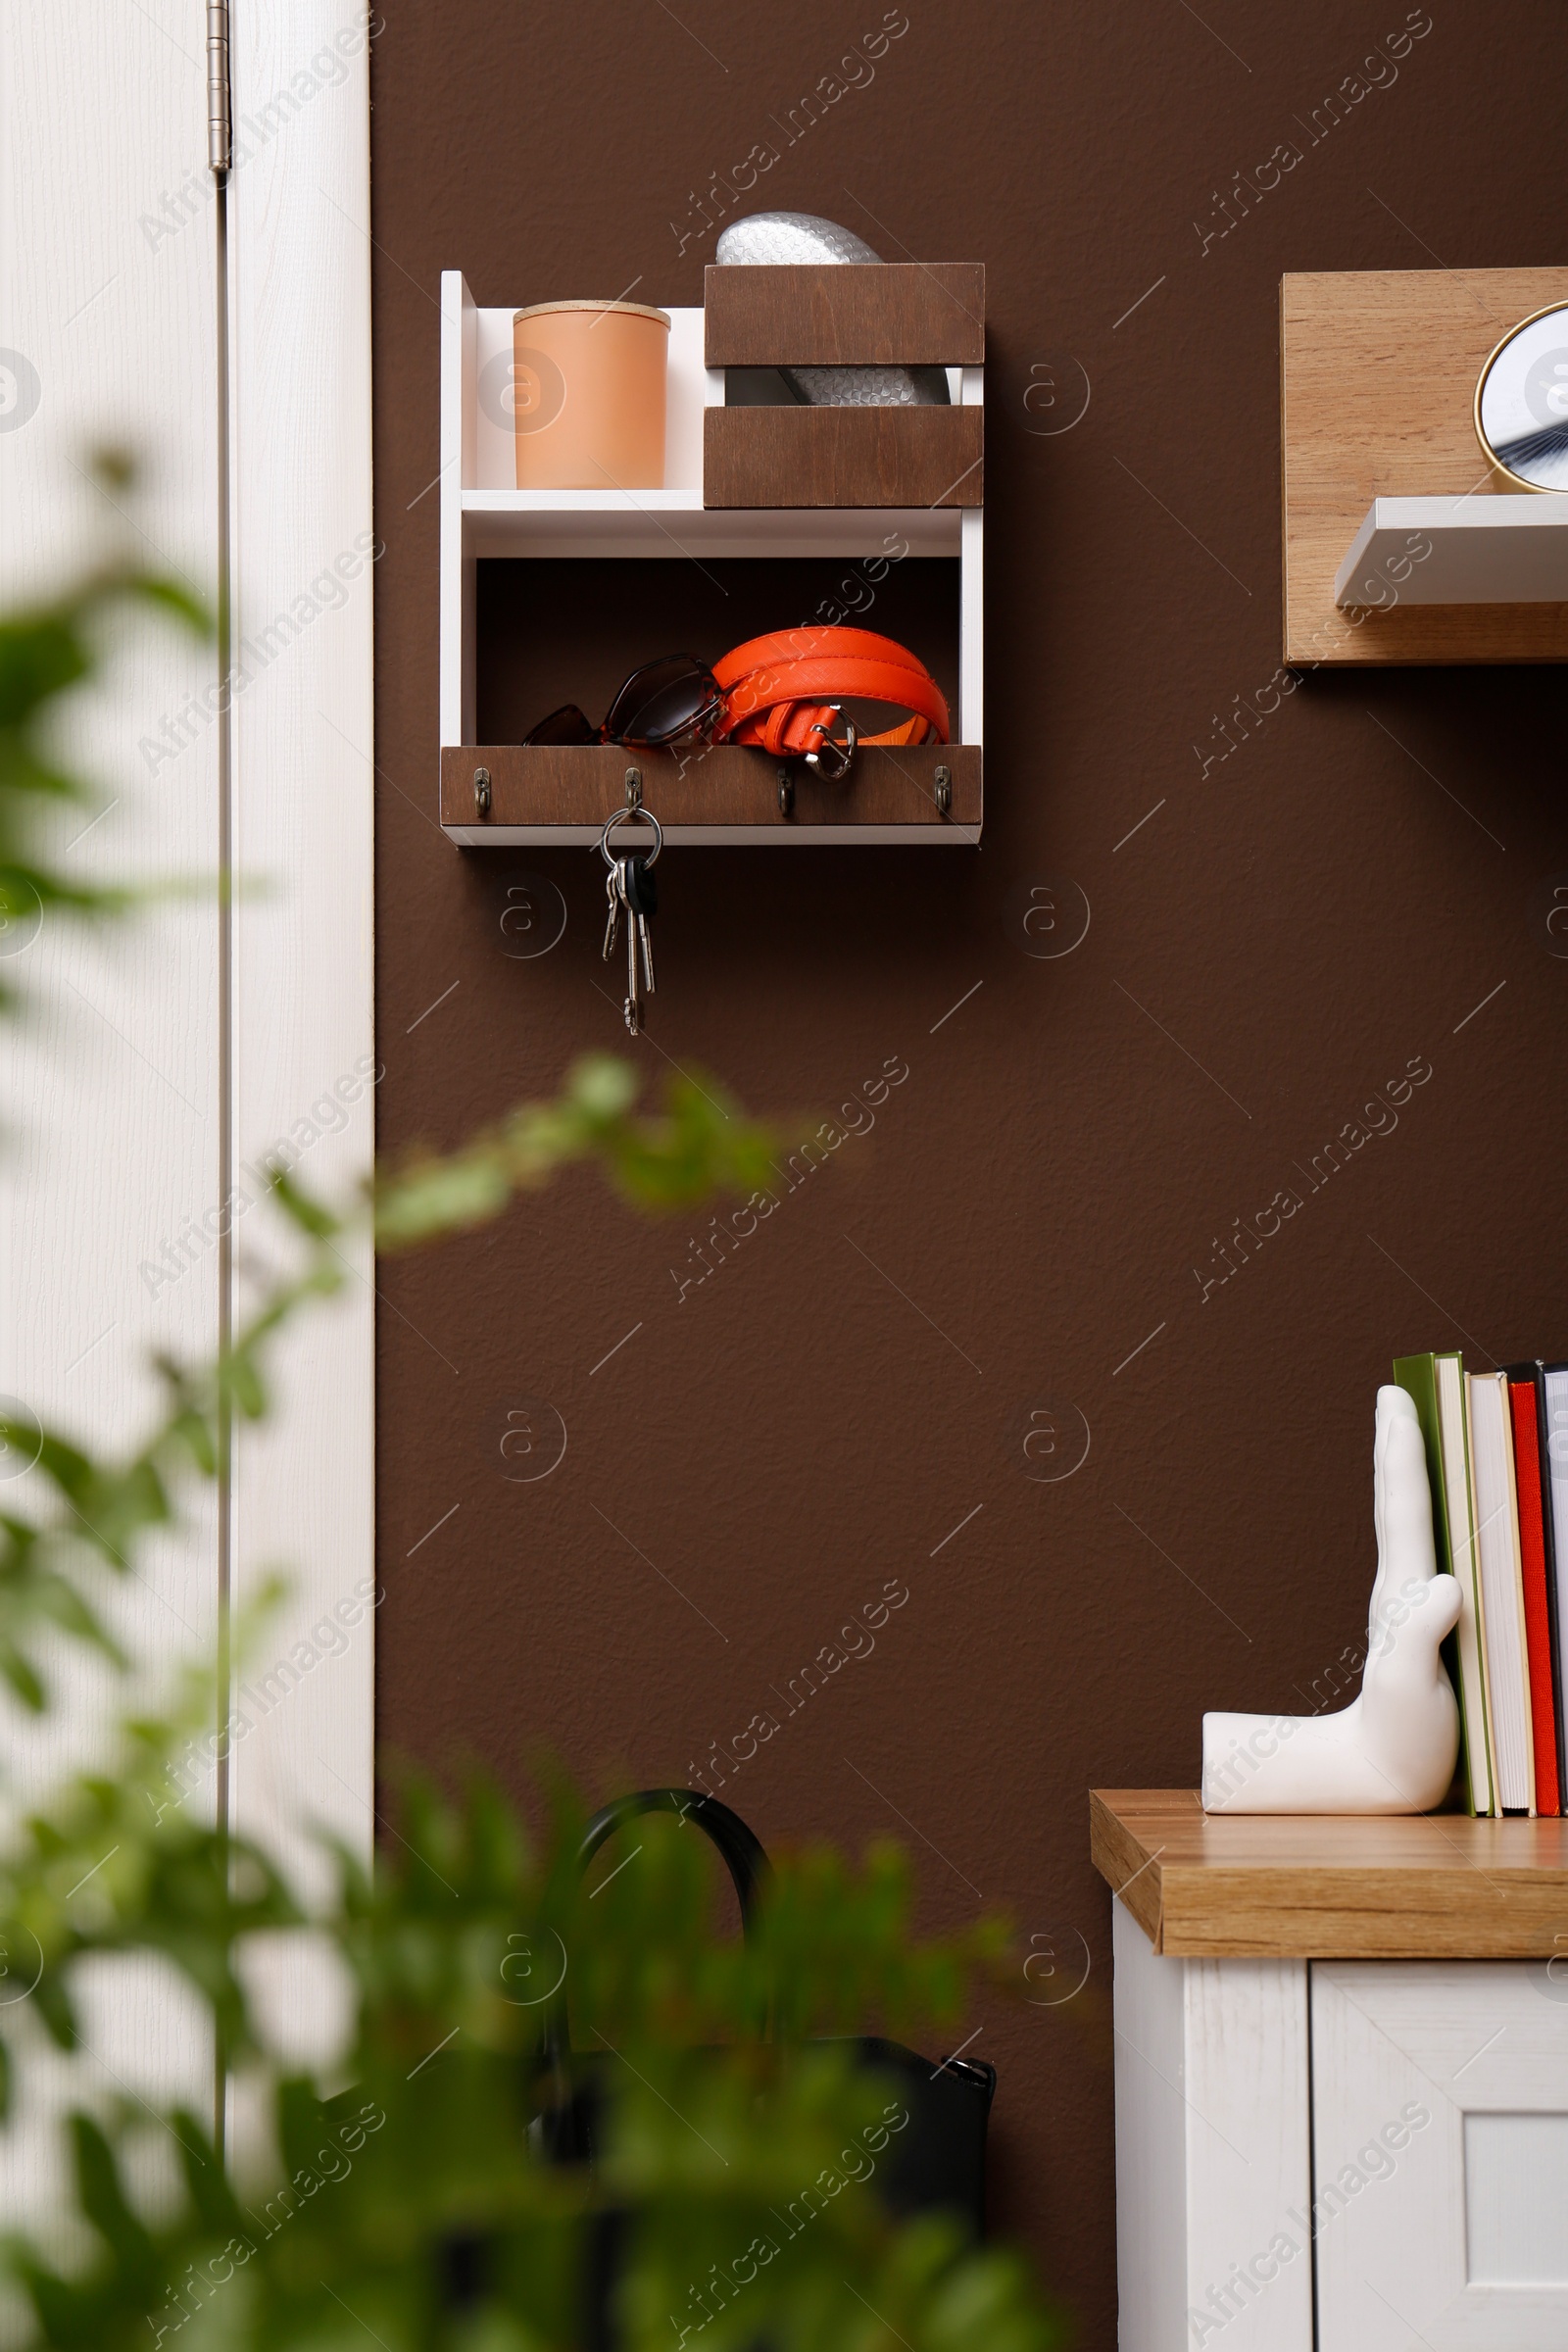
pixel 755 485
pixel 1378 372
pixel 1321 1887
pixel 561 796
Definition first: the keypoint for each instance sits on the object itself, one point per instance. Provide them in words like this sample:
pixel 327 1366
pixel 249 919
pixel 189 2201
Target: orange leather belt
pixel 782 693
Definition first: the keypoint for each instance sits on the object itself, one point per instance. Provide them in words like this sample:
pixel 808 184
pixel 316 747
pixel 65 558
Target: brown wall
pixel 1298 923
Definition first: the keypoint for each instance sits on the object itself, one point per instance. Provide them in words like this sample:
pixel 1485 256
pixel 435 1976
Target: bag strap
pixel 740 1851
pixel 738 1848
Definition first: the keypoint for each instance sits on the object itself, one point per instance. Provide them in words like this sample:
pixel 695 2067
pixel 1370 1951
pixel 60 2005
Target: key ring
pixel 836 768
pixel 618 817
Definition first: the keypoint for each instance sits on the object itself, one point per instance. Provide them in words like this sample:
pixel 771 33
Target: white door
pixel 229 345
pixel 1441 2156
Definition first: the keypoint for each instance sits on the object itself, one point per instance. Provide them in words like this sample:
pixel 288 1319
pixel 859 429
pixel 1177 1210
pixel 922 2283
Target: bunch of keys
pixel 629 885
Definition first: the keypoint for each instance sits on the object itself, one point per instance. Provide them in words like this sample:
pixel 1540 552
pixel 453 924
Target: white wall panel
pixel 111 1173
pixel 304 1065
pixel 107 1086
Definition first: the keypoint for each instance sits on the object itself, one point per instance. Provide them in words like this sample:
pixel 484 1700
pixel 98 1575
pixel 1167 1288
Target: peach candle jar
pixel 589 395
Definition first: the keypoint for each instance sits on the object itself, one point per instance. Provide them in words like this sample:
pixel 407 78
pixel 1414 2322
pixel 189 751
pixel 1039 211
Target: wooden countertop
pixel 1331 1887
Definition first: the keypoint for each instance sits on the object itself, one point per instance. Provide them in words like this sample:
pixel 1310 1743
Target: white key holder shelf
pixel 771 518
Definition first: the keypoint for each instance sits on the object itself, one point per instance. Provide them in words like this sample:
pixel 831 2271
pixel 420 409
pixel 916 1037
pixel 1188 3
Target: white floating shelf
pixel 557 796
pixel 1509 547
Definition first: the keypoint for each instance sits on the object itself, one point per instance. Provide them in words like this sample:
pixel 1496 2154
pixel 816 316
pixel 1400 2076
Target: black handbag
pixel 938 2162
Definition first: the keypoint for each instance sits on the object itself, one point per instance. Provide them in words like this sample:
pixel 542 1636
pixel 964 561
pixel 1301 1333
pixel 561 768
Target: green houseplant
pixel 399 2191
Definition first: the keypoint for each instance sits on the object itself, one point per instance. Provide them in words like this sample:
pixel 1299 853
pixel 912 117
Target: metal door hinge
pixel 220 97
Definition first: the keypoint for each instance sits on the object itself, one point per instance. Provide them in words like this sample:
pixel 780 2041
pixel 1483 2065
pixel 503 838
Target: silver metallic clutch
pixel 783 237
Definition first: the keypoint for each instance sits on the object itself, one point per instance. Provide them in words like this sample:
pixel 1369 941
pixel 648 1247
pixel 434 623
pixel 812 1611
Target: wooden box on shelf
pixel 852 316
pixel 861 517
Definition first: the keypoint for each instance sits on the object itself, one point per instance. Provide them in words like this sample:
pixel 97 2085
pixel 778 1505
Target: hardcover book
pixel 1502 1582
pixel 1551 1389
pixel 1435 1386
pixel 1545 1705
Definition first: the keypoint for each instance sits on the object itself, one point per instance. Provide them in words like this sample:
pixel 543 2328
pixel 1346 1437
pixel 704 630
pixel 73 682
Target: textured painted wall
pixel 1292 907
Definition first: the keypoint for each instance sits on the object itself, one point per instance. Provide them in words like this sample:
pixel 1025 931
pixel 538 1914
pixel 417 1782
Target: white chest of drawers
pixel 1341 2080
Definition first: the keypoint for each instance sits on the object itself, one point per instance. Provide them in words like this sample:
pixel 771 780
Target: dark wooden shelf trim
pixel 1330 1886
pixel 846 315
pixel 540 784
pixel 843 457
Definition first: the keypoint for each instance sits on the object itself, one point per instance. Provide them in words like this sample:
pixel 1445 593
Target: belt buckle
pixel 833 759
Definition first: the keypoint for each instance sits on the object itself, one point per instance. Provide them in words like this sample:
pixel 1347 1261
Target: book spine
pixel 1554 1609
pixel 1454 1424
pixel 1532 1582
pixel 1417 1375
pixel 1497 1548
pixel 1554 1506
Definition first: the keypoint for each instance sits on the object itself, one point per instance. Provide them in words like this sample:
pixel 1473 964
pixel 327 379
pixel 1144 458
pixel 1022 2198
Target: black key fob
pixel 642 889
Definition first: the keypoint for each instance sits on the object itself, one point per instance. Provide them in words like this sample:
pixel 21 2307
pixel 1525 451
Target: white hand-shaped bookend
pixel 1393 1749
